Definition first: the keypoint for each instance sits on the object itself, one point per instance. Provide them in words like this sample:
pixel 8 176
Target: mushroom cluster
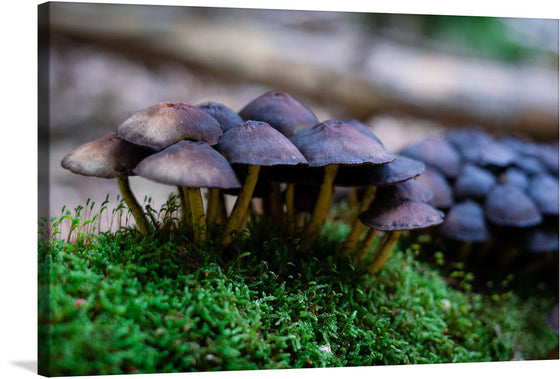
pixel 274 149
pixel 500 193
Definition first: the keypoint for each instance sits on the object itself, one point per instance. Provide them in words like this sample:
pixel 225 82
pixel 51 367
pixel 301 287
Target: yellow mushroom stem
pixel 358 227
pixel 321 210
pixel 213 206
pixel 198 217
pixel 241 206
pixel 383 251
pixel 133 205
pixel 367 243
pixel 186 214
pixel 290 218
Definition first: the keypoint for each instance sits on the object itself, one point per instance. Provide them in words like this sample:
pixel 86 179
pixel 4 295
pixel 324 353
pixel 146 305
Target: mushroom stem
pixel 186 215
pixel 213 207
pixel 198 218
pixel 315 225
pixel 464 251
pixel 241 204
pixel 383 251
pixel 290 220
pixel 133 205
pixel 367 243
pixel 358 227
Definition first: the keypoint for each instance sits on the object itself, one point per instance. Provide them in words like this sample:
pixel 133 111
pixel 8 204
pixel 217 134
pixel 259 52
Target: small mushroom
pixel 226 117
pixel 255 144
pixel 441 190
pixel 401 170
pixel 473 182
pixel 330 144
pixel 281 111
pixel 515 176
pixel 393 214
pixel 190 165
pixel 163 124
pixel 437 153
pixel 507 205
pixel 543 190
pixel 110 156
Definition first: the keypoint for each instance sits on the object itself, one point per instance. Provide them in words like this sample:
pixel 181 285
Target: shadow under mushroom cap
pixel 163 124
pixel 189 164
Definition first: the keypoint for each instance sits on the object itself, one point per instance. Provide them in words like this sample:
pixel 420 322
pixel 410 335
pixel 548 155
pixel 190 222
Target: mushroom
pixel 465 222
pixel 190 165
pixel 255 144
pixel 507 205
pixel 473 182
pixel 287 115
pixel 281 111
pixel 543 190
pixel 437 153
pixel 393 214
pixel 442 192
pixel 227 118
pixel 110 156
pixel 330 144
pixel 164 124
pixel 516 177
pixel 400 170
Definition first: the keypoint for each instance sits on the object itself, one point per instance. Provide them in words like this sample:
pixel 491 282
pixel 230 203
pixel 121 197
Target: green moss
pixel 125 303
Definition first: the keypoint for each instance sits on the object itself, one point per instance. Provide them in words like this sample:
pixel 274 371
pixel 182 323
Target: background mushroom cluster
pixel 500 195
pixel 274 149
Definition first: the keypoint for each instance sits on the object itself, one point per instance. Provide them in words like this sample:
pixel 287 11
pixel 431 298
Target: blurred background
pixel 407 76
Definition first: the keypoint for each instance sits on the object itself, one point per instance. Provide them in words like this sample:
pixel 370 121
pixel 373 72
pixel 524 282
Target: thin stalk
pixel 321 210
pixel 133 205
pixel 367 243
pixel 290 220
pixel 383 251
pixel 241 205
pixel 186 215
pixel 198 218
pixel 213 207
pixel 358 227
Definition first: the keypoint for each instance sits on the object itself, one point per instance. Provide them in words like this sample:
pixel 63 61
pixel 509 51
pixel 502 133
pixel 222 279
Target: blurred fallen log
pixel 340 65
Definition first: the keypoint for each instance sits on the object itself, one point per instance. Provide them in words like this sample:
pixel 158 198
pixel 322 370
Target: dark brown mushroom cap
pixel 542 240
pixel 281 111
pixel 400 214
pixel 257 143
pixel 435 152
pixel 226 116
pixel 399 170
pixel 108 156
pixel 163 124
pixel 529 165
pixel 543 190
pixel 362 128
pixel 473 181
pixel 515 176
pixel 436 182
pixel 190 164
pixel 465 222
pixel 507 205
pixel 334 142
